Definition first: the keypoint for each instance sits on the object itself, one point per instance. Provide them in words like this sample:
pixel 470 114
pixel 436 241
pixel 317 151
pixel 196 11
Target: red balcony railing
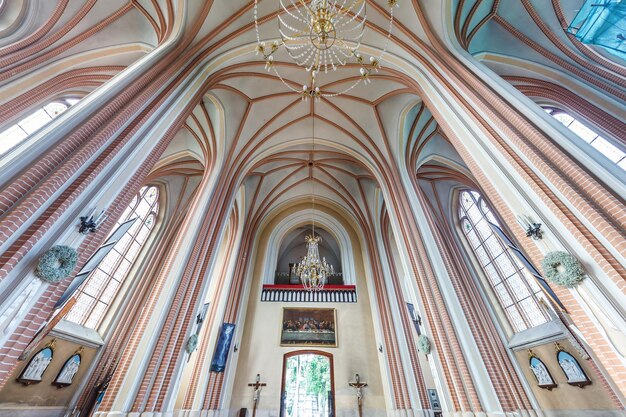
pixel 297 294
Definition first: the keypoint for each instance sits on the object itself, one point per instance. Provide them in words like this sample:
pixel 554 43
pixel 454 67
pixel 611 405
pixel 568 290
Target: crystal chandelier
pixel 313 271
pixel 322 35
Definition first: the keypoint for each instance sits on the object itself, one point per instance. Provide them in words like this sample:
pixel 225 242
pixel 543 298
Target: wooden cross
pixel 257 385
pixel 358 385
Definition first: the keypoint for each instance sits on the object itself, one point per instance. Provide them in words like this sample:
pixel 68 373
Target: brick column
pixel 506 383
pixel 129 316
pixel 44 306
pixel 399 298
pixel 446 345
pixel 195 389
pixel 185 268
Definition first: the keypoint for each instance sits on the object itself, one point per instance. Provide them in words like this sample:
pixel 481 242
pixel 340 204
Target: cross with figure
pixel 256 395
pixel 358 385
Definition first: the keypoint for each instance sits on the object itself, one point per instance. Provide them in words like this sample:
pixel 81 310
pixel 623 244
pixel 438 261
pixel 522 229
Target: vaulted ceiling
pixel 268 129
pixel 249 125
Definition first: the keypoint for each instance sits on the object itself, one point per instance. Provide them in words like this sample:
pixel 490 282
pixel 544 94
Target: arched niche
pixel 286 244
pixel 293 247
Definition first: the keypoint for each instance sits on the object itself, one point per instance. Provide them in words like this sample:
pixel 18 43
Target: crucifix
pixel 358 385
pixel 257 392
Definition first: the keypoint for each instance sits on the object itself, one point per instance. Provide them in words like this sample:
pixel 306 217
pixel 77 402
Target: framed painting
pixel 309 327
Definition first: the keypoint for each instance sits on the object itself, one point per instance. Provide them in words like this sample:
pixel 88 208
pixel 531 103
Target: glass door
pixel 308 389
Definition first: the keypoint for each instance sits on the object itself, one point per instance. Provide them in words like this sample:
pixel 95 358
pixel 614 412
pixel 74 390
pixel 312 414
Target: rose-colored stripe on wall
pixel 406 326
pixel 209 323
pixel 20 52
pixel 616 77
pixel 11 71
pixel 92 76
pixel 38 34
pixel 591 79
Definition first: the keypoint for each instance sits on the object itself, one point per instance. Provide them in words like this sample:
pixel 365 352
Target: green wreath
pixel 56 264
pixel 423 344
pixel 192 343
pixel 563 269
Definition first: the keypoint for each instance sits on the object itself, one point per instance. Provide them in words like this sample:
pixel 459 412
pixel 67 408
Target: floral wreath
pixel 56 263
pixel 423 344
pixel 563 269
pixel 192 343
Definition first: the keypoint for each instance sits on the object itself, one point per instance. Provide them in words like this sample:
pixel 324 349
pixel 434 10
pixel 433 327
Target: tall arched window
pixel 606 148
pixel 100 289
pixel 17 133
pixel 515 288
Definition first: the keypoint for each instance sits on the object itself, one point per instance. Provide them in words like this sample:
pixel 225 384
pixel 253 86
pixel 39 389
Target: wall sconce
pixel 533 230
pixel 90 225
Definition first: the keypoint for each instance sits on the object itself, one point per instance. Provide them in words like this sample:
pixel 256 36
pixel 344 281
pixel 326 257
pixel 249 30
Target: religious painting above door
pixel 309 327
pixel 33 373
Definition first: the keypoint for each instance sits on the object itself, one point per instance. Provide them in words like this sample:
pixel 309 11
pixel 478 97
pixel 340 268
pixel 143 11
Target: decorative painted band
pixel 295 293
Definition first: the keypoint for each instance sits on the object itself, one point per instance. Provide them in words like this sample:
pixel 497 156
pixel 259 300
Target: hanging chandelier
pixel 313 271
pixel 322 35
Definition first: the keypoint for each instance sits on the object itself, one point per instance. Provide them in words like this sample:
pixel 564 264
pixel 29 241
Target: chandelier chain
pixel 313 169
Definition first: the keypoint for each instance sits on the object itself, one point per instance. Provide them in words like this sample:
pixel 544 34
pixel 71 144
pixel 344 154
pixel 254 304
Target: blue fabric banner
pixel 218 364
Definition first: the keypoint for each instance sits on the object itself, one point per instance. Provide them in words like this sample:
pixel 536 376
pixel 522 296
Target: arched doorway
pixel 308 388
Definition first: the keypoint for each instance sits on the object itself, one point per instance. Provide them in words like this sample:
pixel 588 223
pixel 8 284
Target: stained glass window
pixel 606 148
pixel 99 290
pixel 16 134
pixel 516 290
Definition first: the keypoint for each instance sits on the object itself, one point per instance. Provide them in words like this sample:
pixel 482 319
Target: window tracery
pixel 17 133
pixel 517 291
pixel 100 289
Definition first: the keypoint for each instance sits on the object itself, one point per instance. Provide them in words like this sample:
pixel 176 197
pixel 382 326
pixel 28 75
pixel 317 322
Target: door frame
pixel 284 375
